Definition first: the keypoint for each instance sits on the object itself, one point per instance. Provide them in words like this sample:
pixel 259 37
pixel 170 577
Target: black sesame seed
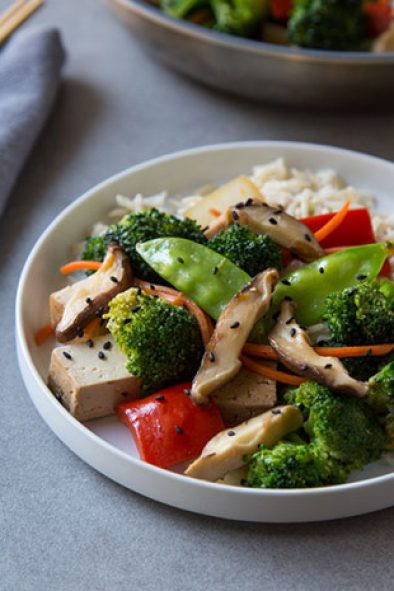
pixel 273 221
pixel 67 355
pixel 135 309
pixel 276 411
pixel 100 311
pixel 214 270
pixel 160 397
pixel 127 321
pixel 58 396
pixel 152 287
pixel 328 366
pixel 107 345
pixel 264 204
pixel 211 356
pixel 101 355
pixel 240 205
pixel 249 202
pixel 178 430
pixel 285 282
pixel 235 215
pixel 90 343
pixel 302 326
pixel 321 270
pixel 278 211
pixel 79 331
pixel 234 325
pixel 180 260
pixel 293 332
pixel 360 277
pixel 89 301
pixel 288 298
pixel 307 238
pixel 290 320
pixel 138 291
pixel 187 391
pixel 231 433
pixel 114 279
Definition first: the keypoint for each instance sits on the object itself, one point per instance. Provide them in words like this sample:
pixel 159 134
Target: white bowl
pixel 106 444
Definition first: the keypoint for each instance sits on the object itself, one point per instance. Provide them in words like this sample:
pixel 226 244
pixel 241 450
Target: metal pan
pixel 263 71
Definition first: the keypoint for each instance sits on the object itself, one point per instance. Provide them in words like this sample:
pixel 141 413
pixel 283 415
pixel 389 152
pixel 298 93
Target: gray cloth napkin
pixel 30 66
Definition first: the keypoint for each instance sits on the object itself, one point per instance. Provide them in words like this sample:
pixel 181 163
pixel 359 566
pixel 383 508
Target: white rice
pixel 302 193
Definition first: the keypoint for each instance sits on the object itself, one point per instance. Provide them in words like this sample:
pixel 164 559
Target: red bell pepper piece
pixel 386 269
pixel 356 228
pixel 168 427
pixel 280 9
pixel 379 15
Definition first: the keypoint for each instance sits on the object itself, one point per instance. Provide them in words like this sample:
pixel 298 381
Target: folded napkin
pixel 30 65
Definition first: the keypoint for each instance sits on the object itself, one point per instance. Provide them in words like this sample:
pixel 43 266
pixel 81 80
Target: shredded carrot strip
pixel 267 352
pixel 215 212
pixel 335 249
pixel 272 374
pixel 374 350
pixel 263 351
pixel 43 334
pixel 179 299
pixel 203 320
pixel 333 223
pixel 80 266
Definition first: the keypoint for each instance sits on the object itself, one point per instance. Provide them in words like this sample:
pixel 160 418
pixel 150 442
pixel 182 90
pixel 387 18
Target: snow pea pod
pixel 207 277
pixel 310 285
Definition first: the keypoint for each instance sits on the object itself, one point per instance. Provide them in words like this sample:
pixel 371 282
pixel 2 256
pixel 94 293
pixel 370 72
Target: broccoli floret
pixel 339 435
pixel 94 249
pixel 362 368
pixel 291 465
pixel 381 398
pixel 251 252
pixel 360 315
pixel 182 8
pixel 327 24
pixel 239 17
pixel 343 427
pixel 140 227
pixel 162 342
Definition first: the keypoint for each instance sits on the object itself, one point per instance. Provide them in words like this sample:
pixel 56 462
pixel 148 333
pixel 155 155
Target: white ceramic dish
pixel 106 444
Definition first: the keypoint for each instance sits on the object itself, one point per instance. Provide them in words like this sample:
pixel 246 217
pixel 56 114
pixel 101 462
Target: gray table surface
pixel 62 525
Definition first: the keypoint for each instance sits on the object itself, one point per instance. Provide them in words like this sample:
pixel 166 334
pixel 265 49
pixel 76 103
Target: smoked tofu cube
pixel 246 396
pixel 91 381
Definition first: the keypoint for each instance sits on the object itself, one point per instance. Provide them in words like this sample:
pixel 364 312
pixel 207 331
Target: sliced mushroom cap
pixel 91 296
pixel 286 230
pixel 227 450
pixel 221 359
pixel 295 351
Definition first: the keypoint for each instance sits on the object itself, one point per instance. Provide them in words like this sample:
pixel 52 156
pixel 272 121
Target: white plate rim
pixel 25 358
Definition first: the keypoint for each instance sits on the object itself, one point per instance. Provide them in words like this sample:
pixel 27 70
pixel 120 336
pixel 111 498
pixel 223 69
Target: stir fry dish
pixel 354 25
pixel 239 343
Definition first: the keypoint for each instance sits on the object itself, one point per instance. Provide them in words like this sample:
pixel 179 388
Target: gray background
pixel 62 525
